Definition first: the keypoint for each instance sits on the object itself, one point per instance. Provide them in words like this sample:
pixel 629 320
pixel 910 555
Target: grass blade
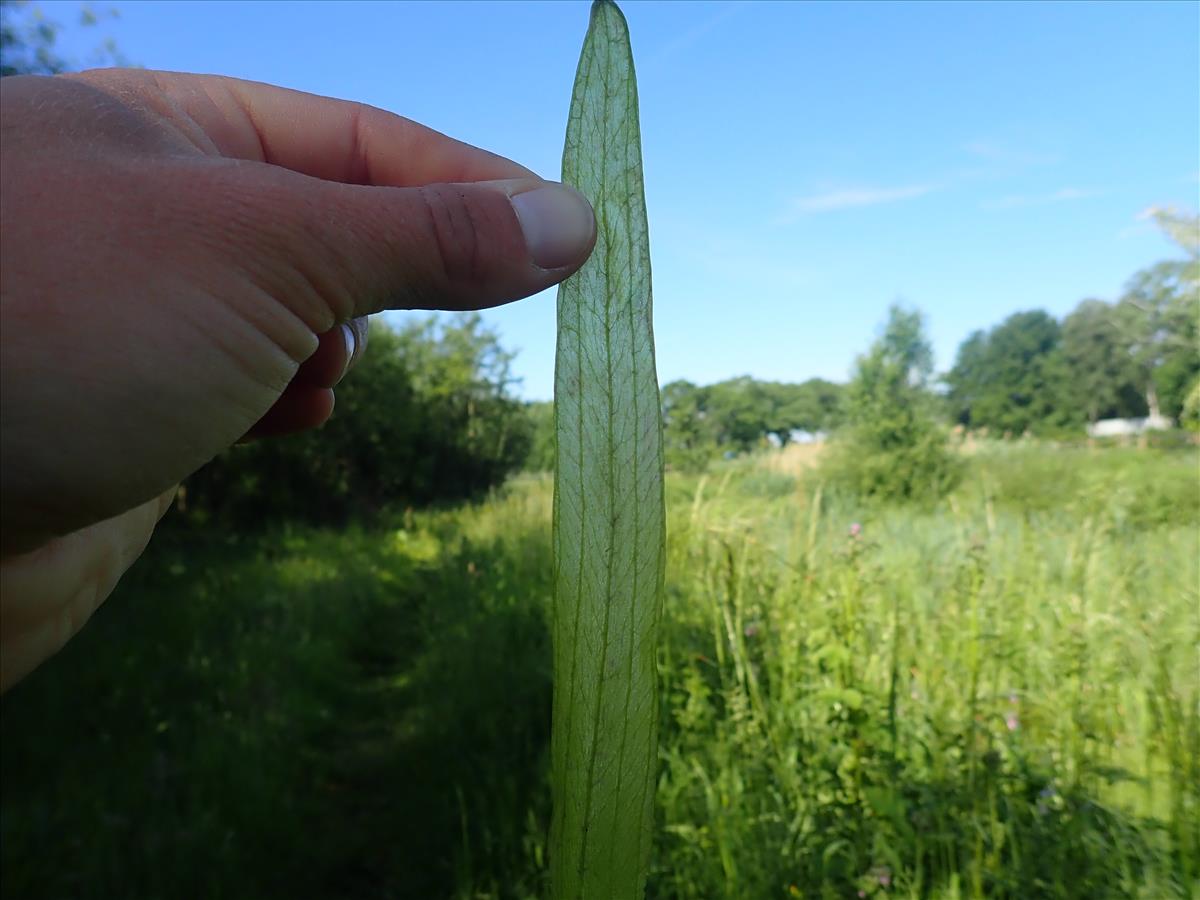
pixel 609 531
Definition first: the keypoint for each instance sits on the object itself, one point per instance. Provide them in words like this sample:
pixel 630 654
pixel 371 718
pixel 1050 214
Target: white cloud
pixel 851 198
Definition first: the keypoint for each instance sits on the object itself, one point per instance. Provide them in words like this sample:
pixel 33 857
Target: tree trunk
pixel 1152 400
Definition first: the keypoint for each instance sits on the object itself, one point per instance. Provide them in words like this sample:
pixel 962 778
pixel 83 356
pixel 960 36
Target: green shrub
pixel 426 416
pixel 1125 487
pixel 893 447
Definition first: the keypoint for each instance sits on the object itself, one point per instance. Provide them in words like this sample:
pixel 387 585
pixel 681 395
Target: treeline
pixel 1134 357
pixel 701 423
pixel 428 415
pixel 1138 356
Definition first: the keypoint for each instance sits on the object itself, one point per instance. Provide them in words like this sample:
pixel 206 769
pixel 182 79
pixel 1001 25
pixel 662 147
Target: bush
pixel 1121 487
pixel 921 468
pixel 1189 416
pixel 893 447
pixel 425 417
pixel 542 440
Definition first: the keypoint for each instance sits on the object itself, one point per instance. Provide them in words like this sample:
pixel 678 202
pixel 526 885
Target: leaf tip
pixel 599 7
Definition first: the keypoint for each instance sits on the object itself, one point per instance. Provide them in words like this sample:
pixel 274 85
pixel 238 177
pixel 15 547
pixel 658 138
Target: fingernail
pixel 558 224
pixel 351 345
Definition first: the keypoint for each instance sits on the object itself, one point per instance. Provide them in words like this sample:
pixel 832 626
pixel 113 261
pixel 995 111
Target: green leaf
pixel 609 528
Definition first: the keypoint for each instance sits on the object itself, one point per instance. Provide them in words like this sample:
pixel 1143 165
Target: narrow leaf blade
pixel 609 532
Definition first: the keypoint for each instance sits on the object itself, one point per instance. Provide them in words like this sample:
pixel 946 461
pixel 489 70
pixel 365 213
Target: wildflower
pixel 855 529
pixel 750 631
pixel 1012 721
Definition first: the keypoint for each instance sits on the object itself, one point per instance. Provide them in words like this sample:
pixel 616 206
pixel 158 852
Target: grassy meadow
pixel 996 696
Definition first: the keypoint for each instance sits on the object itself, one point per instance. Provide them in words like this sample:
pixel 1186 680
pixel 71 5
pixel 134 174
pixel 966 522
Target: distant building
pixel 1128 427
pixel 799 436
pixel 796 436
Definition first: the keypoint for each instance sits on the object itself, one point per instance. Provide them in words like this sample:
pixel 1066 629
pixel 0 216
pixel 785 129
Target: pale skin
pixel 181 258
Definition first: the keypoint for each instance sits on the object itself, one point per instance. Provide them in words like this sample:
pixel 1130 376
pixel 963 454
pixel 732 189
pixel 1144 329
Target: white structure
pixel 1128 427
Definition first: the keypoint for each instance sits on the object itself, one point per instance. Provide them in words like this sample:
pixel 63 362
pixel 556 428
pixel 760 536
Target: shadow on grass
pixel 322 716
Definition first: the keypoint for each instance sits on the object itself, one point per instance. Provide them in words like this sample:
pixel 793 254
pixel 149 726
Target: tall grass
pixel 996 697
pixel 988 699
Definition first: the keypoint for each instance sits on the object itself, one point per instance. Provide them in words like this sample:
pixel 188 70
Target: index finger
pixel 335 140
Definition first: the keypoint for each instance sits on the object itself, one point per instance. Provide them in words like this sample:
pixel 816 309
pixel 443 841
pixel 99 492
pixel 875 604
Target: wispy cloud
pixel 993 160
pixel 1062 195
pixel 697 31
pixel 851 198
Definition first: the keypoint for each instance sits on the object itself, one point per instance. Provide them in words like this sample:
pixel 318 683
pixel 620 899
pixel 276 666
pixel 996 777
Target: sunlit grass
pixel 995 697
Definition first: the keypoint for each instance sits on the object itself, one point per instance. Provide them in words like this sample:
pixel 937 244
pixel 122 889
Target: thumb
pixel 361 249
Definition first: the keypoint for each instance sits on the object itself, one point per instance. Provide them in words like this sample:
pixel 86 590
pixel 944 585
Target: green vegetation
pixel 1136 357
pixel 427 416
pixel 740 415
pixel 892 446
pixel 609 525
pixel 28 39
pixel 1013 378
pixel 993 697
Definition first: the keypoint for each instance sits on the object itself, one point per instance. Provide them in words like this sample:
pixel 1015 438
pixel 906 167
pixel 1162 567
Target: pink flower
pixel 855 529
pixel 1011 720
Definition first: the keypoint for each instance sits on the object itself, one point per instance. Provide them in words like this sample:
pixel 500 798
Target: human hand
pixel 179 255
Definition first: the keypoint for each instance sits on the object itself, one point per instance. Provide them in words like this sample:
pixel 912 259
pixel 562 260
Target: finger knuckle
pixel 456 233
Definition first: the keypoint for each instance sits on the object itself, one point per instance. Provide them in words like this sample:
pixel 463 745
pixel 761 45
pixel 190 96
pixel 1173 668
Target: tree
pixel 1158 318
pixel 1137 356
pixel 689 441
pixel 968 379
pixel 1184 230
pixel 1103 381
pixel 892 446
pixel 426 416
pixel 1189 417
pixel 812 406
pixel 740 410
pixel 28 38
pixel 27 41
pixel 542 436
pixel 1013 378
pixel 739 414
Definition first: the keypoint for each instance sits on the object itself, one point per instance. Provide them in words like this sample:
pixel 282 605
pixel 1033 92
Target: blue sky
pixel 806 164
